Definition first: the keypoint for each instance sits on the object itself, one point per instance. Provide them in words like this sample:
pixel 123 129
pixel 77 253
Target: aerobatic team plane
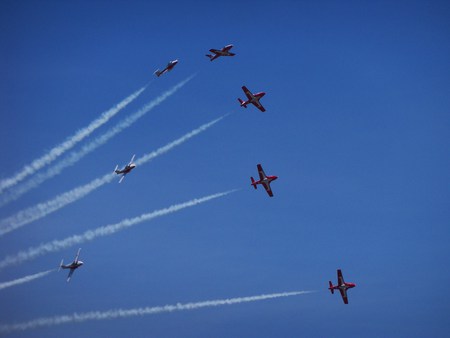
pixel 169 67
pixel 252 98
pixel 72 266
pixel 264 180
pixel 225 51
pixel 341 286
pixel 130 166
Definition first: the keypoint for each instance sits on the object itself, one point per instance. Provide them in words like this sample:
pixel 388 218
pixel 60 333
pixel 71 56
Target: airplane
pixel 341 286
pixel 72 266
pixel 130 166
pixel 252 98
pixel 264 180
pixel 225 51
pixel 169 67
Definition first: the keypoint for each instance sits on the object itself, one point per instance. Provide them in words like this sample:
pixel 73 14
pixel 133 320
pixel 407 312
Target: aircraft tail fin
pixel 254 183
pixel 331 288
pixel 210 56
pixel 242 103
pixel 158 72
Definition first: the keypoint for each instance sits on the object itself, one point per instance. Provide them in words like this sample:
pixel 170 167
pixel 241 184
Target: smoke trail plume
pixel 90 235
pixel 68 144
pixel 25 279
pixel 143 311
pixel 42 209
pixel 74 157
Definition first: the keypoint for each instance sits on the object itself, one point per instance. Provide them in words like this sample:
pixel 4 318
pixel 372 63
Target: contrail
pixel 74 157
pixel 25 279
pixel 143 311
pixel 90 235
pixel 69 143
pixel 42 209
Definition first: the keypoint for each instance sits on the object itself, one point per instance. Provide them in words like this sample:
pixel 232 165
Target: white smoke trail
pixel 74 157
pixel 42 209
pixel 143 311
pixel 60 149
pixel 90 235
pixel 25 279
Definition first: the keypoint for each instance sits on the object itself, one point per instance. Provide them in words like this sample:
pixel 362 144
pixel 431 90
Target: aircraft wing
pixel 131 161
pixel 227 48
pixel 121 179
pixel 78 254
pixel 340 278
pixel 70 274
pixel 344 295
pixel 268 189
pixel 259 106
pixel 261 173
pixel 215 51
pixel 247 92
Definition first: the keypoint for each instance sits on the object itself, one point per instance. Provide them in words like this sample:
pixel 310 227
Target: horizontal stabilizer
pixel 331 287
pixel 254 183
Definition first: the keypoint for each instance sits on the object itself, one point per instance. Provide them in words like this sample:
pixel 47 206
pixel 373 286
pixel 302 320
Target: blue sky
pixel 356 129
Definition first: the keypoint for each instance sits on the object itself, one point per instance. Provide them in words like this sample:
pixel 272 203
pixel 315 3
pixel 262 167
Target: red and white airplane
pixel 130 166
pixel 225 51
pixel 252 98
pixel 169 67
pixel 264 180
pixel 72 266
pixel 341 286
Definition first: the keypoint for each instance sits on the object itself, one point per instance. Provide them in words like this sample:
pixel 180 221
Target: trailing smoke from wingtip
pixel 45 208
pixel 76 156
pixel 142 311
pixel 60 149
pixel 90 235
pixel 25 279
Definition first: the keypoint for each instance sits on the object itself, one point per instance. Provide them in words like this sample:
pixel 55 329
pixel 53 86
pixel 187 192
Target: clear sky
pixel 356 129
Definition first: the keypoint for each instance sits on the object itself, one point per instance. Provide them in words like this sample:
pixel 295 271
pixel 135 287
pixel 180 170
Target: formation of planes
pixel 264 180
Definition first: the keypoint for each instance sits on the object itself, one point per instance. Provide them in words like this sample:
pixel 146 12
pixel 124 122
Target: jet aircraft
pixel 264 180
pixel 252 98
pixel 72 266
pixel 225 51
pixel 130 166
pixel 341 286
pixel 169 67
